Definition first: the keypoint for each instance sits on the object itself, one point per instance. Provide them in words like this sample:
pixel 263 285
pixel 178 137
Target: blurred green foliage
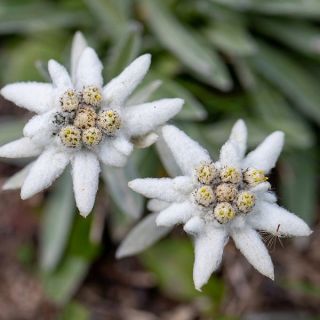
pixel 258 60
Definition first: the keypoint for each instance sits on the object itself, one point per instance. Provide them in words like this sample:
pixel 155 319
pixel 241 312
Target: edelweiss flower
pixel 218 200
pixel 82 121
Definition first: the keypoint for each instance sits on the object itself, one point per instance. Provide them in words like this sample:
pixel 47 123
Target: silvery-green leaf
pixel 272 107
pixel 57 223
pixel 192 108
pixel 192 51
pixel 298 183
pixel 299 8
pixel 231 38
pixel 142 236
pixel 61 285
pixel 10 130
pixel 31 18
pixel 117 180
pixel 167 158
pixel 125 50
pixel 16 181
pixel 290 77
pixel 111 16
pixel 144 92
pixel 298 35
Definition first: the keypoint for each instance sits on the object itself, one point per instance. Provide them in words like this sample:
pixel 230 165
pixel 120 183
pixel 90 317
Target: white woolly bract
pixel 21 148
pixel 176 213
pixel 265 156
pixel 187 152
pixel 16 181
pixel 208 248
pixel 162 189
pixel 151 115
pixel 85 175
pixel 33 96
pixel 251 246
pixel 47 168
pixel 278 221
pixel 119 89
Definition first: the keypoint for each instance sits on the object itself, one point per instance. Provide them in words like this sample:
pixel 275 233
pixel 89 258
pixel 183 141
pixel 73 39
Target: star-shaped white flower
pixel 218 200
pixel 81 121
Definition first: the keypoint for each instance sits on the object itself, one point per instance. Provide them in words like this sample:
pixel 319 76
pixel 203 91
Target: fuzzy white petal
pixel 16 181
pixel 85 175
pixel 238 136
pixel 79 43
pixel 123 145
pixel 157 205
pixel 162 189
pixel 146 117
pixel 145 141
pixel 250 244
pixel 183 184
pixel 208 254
pixel 39 128
pixel 265 156
pixel 229 155
pixel 21 148
pixel 33 96
pixel 89 69
pixel 47 168
pixel 119 89
pixel 110 156
pixel 142 236
pixel 187 152
pixel 194 226
pixel 59 75
pixel 175 214
pixel 278 221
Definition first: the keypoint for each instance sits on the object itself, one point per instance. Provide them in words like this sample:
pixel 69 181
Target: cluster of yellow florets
pixel 81 122
pixel 226 192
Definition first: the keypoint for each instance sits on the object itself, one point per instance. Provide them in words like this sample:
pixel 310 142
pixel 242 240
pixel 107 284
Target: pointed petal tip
pixel 84 213
pixel 133 184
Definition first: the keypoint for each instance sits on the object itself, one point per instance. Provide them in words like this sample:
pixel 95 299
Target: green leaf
pixel 110 14
pixel 192 51
pixel 231 37
pixel 192 109
pixel 61 285
pixel 271 106
pixel 10 130
pixel 287 74
pixel 125 50
pixel 32 18
pixel 299 183
pixel 298 35
pixel 21 67
pixel 56 226
pixel 174 271
pixel 298 8
pixel 75 311
pixel 117 180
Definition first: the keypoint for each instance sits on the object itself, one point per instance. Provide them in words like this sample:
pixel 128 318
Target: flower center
pixel 109 122
pixel 70 136
pixel 224 193
pixel 230 174
pixel 206 173
pixel 245 201
pixel 81 123
pixel 92 96
pixel 254 176
pixel 204 196
pixel 224 212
